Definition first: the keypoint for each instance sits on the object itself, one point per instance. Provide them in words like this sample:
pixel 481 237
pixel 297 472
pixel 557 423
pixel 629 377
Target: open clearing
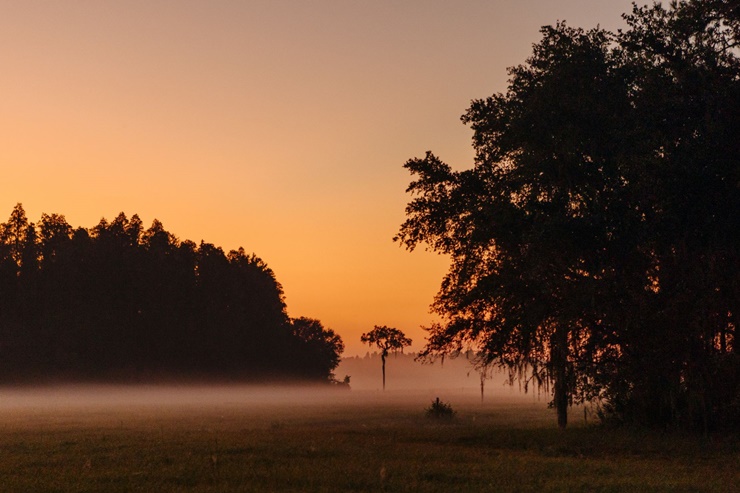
pixel 290 439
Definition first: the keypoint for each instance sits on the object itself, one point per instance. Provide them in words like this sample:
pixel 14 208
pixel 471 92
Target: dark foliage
pixel 440 410
pixel 388 340
pixel 594 244
pixel 315 350
pixel 118 301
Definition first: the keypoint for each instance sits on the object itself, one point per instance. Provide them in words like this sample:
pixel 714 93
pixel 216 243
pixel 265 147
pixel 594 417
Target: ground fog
pixel 198 438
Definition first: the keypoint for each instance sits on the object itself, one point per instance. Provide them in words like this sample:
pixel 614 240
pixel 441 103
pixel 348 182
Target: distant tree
pixel 54 235
pixel 16 305
pixel 14 233
pixel 388 340
pixel 484 368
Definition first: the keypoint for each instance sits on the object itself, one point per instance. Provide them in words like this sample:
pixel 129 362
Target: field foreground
pixel 231 439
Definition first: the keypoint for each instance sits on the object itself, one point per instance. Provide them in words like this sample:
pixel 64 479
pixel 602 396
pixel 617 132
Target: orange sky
pixel 279 126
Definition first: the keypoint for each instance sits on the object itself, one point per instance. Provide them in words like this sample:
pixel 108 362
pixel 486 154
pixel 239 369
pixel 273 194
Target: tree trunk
pixel 559 363
pixel 561 401
pixel 382 358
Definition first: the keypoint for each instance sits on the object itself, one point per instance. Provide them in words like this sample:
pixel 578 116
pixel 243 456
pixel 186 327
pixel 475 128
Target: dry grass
pixel 368 442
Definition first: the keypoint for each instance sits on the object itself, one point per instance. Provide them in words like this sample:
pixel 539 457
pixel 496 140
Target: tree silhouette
pixel 590 242
pixel 523 227
pixel 118 302
pixel 14 232
pixel 387 339
pixel 319 348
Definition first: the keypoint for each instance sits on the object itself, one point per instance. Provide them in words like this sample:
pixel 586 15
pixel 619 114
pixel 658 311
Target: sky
pixel 279 126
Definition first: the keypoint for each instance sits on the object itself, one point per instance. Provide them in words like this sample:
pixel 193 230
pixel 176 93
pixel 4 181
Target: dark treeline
pixel 121 302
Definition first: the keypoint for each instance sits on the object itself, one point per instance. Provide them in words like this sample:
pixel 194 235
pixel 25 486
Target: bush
pixel 440 410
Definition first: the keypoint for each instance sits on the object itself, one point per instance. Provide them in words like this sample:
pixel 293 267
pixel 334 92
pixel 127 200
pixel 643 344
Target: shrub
pixel 440 410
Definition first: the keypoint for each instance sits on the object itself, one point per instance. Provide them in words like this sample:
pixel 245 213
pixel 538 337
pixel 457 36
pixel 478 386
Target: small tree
pixel 320 348
pixel 485 371
pixel 387 339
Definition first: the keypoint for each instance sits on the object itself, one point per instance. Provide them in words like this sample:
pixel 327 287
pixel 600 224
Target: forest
pixel 118 302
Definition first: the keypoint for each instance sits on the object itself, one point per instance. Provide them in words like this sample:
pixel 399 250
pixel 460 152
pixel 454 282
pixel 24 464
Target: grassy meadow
pixel 299 440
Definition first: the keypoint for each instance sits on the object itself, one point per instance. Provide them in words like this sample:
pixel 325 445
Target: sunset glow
pixel 279 126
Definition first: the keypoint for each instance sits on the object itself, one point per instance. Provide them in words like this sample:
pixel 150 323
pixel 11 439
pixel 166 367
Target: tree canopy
pixel 121 302
pixel 388 340
pixel 594 243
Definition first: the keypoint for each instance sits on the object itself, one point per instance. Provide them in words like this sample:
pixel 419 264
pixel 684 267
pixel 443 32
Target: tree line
pixel 595 244
pixel 121 302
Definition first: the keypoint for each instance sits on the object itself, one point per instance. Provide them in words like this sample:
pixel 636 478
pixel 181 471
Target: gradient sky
pixel 279 126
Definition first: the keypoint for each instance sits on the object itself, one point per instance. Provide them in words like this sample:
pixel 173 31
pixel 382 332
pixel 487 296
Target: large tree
pixel 573 246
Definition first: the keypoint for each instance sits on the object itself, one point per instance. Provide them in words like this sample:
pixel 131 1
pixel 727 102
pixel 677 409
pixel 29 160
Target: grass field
pixel 294 440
